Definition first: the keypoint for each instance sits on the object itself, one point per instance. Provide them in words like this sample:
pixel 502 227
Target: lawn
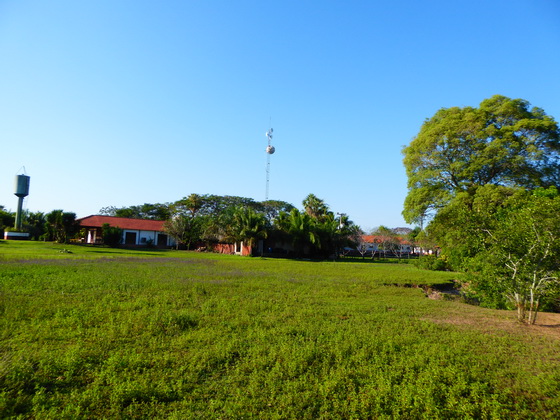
pixel 96 332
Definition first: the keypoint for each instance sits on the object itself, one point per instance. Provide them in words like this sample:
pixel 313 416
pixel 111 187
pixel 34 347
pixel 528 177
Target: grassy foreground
pixel 101 333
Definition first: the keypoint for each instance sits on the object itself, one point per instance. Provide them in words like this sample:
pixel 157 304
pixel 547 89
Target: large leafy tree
pixel 187 224
pixel 272 209
pixel 518 259
pixel 502 142
pixel 144 211
pixel 190 206
pixel 457 227
pixel 214 205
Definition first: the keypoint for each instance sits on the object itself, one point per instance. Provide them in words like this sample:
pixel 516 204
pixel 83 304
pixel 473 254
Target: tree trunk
pixel 521 307
pixel 533 310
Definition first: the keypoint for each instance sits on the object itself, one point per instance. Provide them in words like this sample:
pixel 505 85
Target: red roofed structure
pixel 139 232
pixel 385 244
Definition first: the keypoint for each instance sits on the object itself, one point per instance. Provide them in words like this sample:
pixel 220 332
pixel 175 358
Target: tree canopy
pixel 317 229
pixel 145 211
pixel 61 226
pixel 502 142
pixel 506 239
pixel 7 219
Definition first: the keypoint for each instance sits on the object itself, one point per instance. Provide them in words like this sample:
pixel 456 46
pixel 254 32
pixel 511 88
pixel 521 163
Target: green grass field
pixel 102 333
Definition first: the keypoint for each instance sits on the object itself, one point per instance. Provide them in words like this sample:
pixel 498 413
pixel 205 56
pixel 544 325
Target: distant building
pixel 392 245
pixel 136 232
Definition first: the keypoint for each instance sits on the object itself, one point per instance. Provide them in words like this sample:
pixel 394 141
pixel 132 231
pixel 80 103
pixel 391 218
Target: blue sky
pixel 118 103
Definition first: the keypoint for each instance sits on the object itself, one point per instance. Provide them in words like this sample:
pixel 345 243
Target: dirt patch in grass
pixel 548 323
pixel 493 321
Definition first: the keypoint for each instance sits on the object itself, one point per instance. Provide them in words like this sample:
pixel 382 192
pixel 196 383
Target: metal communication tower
pixel 269 151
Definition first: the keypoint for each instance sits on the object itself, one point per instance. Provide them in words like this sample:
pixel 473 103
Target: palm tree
pixel 315 207
pixel 245 225
pixel 301 227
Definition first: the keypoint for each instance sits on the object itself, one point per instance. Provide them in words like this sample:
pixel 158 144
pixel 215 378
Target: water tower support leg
pixel 18 214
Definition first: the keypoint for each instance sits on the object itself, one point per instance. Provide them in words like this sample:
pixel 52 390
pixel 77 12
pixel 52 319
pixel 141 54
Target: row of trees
pixel 199 220
pixel 315 231
pixel 485 179
pixel 58 225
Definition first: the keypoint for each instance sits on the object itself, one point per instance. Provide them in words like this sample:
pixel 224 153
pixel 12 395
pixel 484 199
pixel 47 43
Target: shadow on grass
pixel 343 260
pixel 153 252
pixel 376 261
pixel 104 249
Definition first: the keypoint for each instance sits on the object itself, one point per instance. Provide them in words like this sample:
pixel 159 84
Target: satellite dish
pixel 270 150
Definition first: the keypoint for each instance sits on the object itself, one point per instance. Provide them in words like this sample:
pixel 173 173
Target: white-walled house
pixel 374 243
pixel 136 232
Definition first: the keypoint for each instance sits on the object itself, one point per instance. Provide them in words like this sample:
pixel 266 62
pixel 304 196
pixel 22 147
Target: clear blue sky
pixel 118 103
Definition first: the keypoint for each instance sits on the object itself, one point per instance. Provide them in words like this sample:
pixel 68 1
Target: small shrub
pixel 432 262
pixel 112 235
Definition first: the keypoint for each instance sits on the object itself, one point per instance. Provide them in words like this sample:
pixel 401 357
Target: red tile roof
pixel 377 239
pixel 122 222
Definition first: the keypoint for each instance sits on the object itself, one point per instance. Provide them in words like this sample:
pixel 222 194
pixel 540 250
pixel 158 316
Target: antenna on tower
pixel 269 151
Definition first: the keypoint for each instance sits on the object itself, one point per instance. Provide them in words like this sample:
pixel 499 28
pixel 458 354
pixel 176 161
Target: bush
pixel 112 235
pixel 432 262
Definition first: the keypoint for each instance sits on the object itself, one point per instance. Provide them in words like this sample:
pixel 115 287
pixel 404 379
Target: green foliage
pixel 61 226
pixel 300 228
pixel 472 170
pixel 272 209
pixel 186 229
pixel 146 334
pixel 503 142
pixel 432 262
pixel 521 257
pixel 35 224
pixel 315 207
pixel 7 219
pixel 246 225
pixel 317 231
pixel 112 235
pixel 210 218
pixel 212 205
pixel 458 228
pixel 145 211
pixel 507 239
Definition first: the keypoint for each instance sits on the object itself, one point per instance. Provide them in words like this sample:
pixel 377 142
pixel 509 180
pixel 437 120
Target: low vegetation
pixel 98 332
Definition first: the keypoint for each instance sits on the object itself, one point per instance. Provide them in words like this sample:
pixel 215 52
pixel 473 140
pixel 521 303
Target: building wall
pixel 237 249
pixel 131 237
pixel 143 237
